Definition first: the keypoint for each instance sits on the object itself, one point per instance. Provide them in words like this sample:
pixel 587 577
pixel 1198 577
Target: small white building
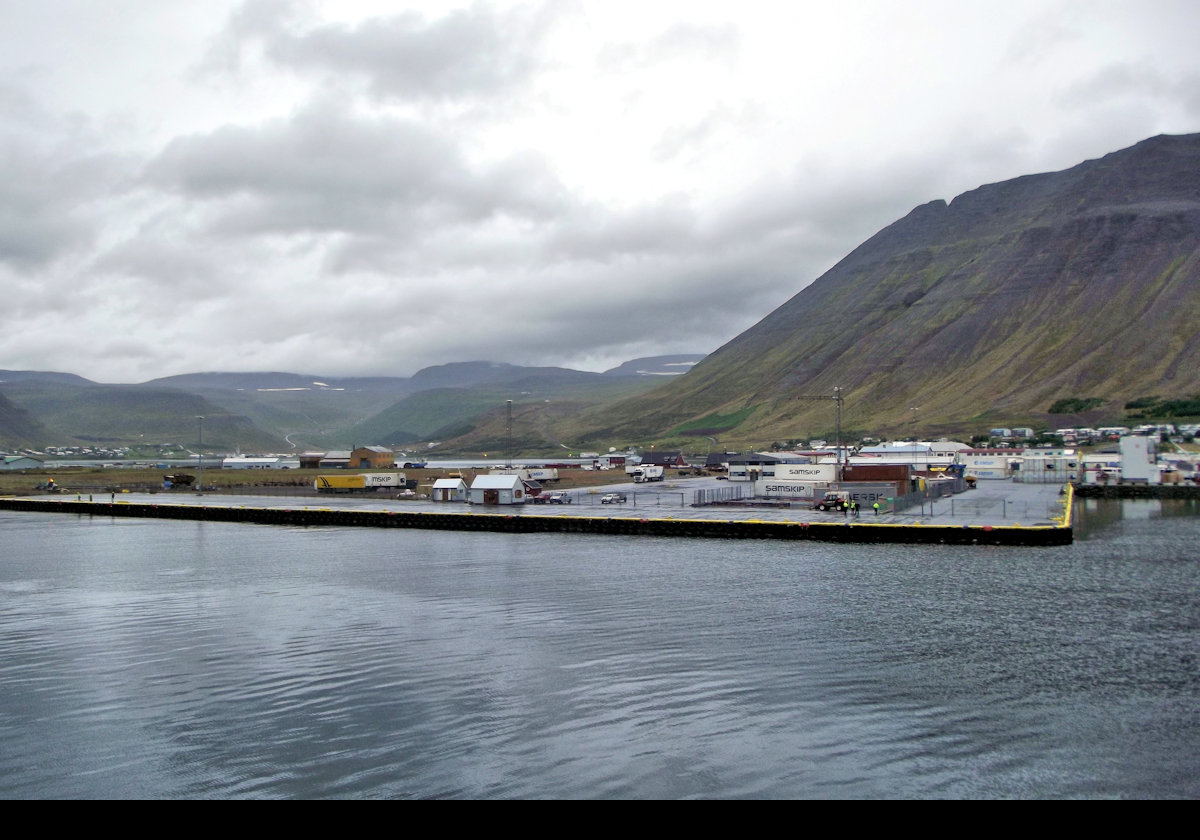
pixel 498 490
pixel 248 462
pixel 450 490
pixel 1139 460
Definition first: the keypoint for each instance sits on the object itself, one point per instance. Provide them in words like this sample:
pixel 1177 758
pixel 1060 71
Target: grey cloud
pixel 326 171
pixel 680 41
pixel 52 175
pixel 598 235
pixel 469 52
pixel 1117 80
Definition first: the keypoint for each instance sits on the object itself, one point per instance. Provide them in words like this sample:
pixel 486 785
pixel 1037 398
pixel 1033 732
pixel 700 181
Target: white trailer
pixel 648 473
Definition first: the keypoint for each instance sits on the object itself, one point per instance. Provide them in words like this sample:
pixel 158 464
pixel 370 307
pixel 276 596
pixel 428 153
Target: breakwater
pixel 525 523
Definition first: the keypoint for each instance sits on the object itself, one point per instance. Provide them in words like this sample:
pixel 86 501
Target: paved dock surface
pixel 991 504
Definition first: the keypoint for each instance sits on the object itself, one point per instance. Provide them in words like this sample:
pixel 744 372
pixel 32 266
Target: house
pixel 498 490
pixel 338 459
pixel 752 467
pixel 663 459
pixel 450 490
pixel 717 461
pixel 311 460
pixel 373 458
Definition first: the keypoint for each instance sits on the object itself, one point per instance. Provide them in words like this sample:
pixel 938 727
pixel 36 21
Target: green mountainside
pixel 286 412
pixel 135 416
pixel 986 311
pixel 18 428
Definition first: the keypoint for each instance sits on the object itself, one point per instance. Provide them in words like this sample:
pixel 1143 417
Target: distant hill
pixel 8 377
pixel 1083 283
pixel 280 411
pixel 133 415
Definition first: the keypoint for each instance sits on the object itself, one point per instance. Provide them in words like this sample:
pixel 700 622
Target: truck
pixel 833 500
pixel 540 474
pixel 648 473
pixel 360 482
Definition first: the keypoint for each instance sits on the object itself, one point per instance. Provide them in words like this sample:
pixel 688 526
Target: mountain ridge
pixel 1014 293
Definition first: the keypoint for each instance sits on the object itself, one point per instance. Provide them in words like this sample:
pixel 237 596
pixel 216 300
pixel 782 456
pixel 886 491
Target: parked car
pixel 613 499
pixel 560 498
pixel 834 500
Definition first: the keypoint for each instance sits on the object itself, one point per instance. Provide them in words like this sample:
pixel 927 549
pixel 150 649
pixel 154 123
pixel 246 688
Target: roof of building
pixel 755 458
pixel 453 483
pixel 661 458
pixel 496 482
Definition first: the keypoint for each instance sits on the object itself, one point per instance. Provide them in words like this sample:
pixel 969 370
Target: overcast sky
pixel 369 188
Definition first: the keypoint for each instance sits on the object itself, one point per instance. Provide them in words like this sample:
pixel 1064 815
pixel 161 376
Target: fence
pixel 1013 510
pixel 717 495
pixel 933 490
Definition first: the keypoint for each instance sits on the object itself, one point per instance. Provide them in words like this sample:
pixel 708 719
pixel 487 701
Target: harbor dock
pixel 997 513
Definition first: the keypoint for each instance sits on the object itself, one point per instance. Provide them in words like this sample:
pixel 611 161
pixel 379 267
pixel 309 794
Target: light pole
pixel 200 452
pixel 508 437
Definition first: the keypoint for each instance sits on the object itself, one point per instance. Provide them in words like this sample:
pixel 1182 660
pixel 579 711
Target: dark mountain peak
pixel 1082 282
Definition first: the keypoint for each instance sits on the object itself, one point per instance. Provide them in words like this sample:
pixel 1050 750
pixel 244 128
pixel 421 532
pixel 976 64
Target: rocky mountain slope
pixel 1080 283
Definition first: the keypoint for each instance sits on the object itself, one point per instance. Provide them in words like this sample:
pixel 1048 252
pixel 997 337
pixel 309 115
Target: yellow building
pixel 372 458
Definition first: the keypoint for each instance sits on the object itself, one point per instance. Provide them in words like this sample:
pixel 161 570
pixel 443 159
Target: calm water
pixel 145 658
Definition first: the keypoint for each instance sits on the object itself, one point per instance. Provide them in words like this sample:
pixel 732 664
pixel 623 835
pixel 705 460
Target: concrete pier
pixel 973 518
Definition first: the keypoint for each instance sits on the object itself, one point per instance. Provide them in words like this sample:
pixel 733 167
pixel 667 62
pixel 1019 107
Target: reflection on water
pixel 146 658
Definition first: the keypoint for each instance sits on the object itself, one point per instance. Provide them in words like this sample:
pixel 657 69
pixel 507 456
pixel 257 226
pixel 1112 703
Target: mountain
pixel 1082 284
pixel 279 411
pixel 66 411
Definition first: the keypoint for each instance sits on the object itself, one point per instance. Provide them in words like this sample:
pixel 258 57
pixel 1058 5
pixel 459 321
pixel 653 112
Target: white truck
pixel 539 474
pixel 649 472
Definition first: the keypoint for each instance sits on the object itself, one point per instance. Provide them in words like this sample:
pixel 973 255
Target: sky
pixel 370 188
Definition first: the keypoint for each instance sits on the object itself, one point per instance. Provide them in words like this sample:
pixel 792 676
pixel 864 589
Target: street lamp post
pixel 200 451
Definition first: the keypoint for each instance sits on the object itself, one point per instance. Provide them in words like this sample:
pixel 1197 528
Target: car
pixel 837 500
pixel 560 498
pixel 613 499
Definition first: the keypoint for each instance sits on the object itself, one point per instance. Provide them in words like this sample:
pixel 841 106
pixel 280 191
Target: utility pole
pixel 837 398
pixel 508 438
pixel 200 452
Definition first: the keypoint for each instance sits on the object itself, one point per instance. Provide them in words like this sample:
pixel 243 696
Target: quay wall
pixel 525 523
